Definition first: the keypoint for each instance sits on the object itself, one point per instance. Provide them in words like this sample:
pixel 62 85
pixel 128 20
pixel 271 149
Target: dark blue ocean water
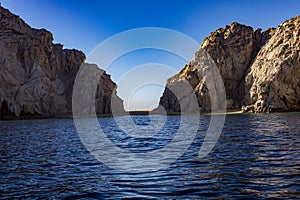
pixel 256 156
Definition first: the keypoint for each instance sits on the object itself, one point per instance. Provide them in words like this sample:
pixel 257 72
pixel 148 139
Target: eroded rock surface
pixel 260 70
pixel 273 81
pixel 37 76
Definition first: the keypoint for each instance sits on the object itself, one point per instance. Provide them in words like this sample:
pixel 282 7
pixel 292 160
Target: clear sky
pixel 83 24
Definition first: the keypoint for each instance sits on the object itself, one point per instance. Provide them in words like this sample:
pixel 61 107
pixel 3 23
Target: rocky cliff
pixel 37 76
pixel 273 80
pixel 260 70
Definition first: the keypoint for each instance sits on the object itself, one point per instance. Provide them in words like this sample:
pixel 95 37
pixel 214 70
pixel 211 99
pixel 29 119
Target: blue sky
pixel 84 24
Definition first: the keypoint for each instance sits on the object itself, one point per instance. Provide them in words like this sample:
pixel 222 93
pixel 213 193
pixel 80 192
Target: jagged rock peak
pixel 225 33
pixel 14 24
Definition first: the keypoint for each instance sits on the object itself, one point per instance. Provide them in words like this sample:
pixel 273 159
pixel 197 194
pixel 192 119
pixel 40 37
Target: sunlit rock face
pixel 273 81
pixel 260 70
pixel 37 76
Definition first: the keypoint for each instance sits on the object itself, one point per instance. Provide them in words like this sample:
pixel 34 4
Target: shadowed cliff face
pixel 37 76
pixel 250 63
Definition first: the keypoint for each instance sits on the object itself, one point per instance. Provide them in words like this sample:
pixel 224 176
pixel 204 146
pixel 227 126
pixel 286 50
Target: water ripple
pixel 257 156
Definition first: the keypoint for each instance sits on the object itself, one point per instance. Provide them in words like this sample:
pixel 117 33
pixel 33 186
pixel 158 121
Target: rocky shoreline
pixel 260 70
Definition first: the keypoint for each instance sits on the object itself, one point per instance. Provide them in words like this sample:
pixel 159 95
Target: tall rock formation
pixel 37 76
pixel 233 49
pixel 259 69
pixel 273 81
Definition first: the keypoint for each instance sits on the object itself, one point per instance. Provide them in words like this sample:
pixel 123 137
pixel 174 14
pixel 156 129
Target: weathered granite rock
pixel 189 90
pixel 259 69
pixel 232 49
pixel 37 76
pixel 273 81
pixel 94 91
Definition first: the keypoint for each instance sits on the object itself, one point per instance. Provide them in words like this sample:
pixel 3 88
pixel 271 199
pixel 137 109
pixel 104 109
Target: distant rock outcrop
pixel 260 70
pixel 37 76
